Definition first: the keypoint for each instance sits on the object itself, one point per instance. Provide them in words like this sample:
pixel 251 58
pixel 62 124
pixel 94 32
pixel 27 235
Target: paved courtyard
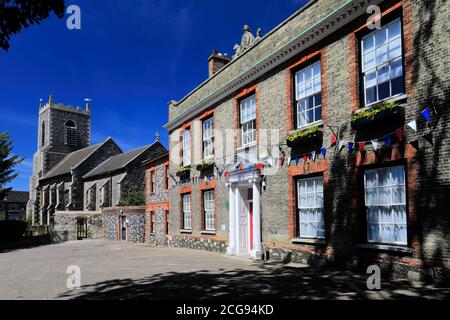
pixel 119 270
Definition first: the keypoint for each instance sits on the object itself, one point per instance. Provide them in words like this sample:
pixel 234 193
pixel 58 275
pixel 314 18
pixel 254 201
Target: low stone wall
pixel 65 227
pixel 135 217
pixel 197 243
pixel 392 266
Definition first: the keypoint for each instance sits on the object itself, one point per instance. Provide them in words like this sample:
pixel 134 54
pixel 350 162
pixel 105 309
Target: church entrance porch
pixel 245 214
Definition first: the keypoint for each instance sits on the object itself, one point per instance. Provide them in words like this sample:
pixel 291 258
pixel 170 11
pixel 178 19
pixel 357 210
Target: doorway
pixel 122 228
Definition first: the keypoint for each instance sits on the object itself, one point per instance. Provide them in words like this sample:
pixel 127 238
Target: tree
pixel 131 197
pixel 18 14
pixel 7 164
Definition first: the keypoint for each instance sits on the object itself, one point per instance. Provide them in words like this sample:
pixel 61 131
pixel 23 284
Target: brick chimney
pixel 216 62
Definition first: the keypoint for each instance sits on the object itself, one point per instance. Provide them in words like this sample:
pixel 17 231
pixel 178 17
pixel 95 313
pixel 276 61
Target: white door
pixel 243 228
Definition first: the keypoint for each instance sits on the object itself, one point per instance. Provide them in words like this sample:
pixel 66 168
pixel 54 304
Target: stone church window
pixel 43 134
pixel 71 133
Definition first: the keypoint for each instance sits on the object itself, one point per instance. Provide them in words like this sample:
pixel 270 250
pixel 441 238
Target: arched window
pixel 43 134
pixel 71 133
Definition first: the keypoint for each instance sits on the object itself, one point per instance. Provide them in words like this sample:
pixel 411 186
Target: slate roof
pixel 117 162
pixel 72 160
pixel 17 197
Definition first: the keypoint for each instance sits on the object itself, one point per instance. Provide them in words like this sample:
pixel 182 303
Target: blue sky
pixel 130 56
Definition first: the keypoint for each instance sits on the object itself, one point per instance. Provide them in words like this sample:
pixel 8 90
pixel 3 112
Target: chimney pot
pixel 216 62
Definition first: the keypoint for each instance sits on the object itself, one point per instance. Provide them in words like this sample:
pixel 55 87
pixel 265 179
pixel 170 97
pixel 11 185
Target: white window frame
pixel 376 67
pixel 391 187
pixel 186 147
pixel 187 212
pixel 304 97
pixel 317 194
pixel 208 210
pixel 247 112
pixel 208 138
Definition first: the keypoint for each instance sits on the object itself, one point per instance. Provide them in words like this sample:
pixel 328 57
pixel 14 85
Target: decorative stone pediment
pixel 248 40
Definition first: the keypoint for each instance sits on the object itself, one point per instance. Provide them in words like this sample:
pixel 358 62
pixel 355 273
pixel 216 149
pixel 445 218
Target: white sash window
pixel 186 148
pixel 208 205
pixel 385 195
pixel 248 120
pixel 310 208
pixel 187 213
pixel 208 138
pixel 309 95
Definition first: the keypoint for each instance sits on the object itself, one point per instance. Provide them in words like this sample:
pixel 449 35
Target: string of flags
pixel 377 143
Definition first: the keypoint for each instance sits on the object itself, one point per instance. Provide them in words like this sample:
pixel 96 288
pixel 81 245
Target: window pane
pixel 371 95
pixel 318 114
pixel 380 37
pixel 371 79
pixel 397 68
pixel 394 29
pixel 395 48
pixel 368 43
pixel 384 91
pixel 383 73
pixel 381 54
pixel 397 86
pixel 369 61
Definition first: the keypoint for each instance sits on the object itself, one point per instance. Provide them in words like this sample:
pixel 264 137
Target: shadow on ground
pixel 268 282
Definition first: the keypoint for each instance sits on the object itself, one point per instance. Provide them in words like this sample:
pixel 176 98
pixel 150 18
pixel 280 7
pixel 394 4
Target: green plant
pixel 205 164
pixel 131 197
pixel 183 169
pixel 304 133
pixel 7 164
pixel 374 111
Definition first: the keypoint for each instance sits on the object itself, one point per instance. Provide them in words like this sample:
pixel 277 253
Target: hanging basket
pixel 204 166
pixel 183 173
pixel 377 117
pixel 306 137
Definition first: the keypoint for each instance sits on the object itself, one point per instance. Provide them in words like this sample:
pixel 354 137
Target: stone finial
pixel 40 103
pixel 51 100
pixel 88 104
pixel 157 137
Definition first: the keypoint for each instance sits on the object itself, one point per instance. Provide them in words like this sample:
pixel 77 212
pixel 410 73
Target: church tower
pixel 61 130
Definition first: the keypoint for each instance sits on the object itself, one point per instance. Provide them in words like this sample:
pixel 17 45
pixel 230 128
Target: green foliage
pixel 374 111
pixel 7 164
pixel 183 169
pixel 18 14
pixel 304 133
pixel 131 197
pixel 12 230
pixel 204 165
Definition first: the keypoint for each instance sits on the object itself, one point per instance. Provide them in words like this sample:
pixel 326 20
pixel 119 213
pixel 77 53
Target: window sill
pixel 385 247
pixel 309 125
pixel 210 233
pixel 393 99
pixel 309 241
pixel 186 231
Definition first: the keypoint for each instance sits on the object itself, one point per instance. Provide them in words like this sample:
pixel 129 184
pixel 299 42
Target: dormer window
pixel 71 133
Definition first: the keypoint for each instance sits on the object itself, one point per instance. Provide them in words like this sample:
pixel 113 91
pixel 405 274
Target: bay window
pixel 310 208
pixel 308 88
pixel 385 197
pixel 247 110
pixel 208 138
pixel 382 63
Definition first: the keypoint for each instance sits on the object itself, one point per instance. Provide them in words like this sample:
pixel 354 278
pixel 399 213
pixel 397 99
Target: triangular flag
pixel 282 159
pixel 341 145
pixel 333 139
pixel 413 125
pixel 250 168
pixel 350 147
pixel 387 139
pixel 305 158
pixel 297 160
pixel 260 166
pixel 313 156
pixel 375 144
pixel 324 151
pixel 361 146
pixel 289 161
pixel 426 114
pixel 399 134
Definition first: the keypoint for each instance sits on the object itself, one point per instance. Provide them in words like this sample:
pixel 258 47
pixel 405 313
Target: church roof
pixel 16 197
pixel 117 162
pixel 72 160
